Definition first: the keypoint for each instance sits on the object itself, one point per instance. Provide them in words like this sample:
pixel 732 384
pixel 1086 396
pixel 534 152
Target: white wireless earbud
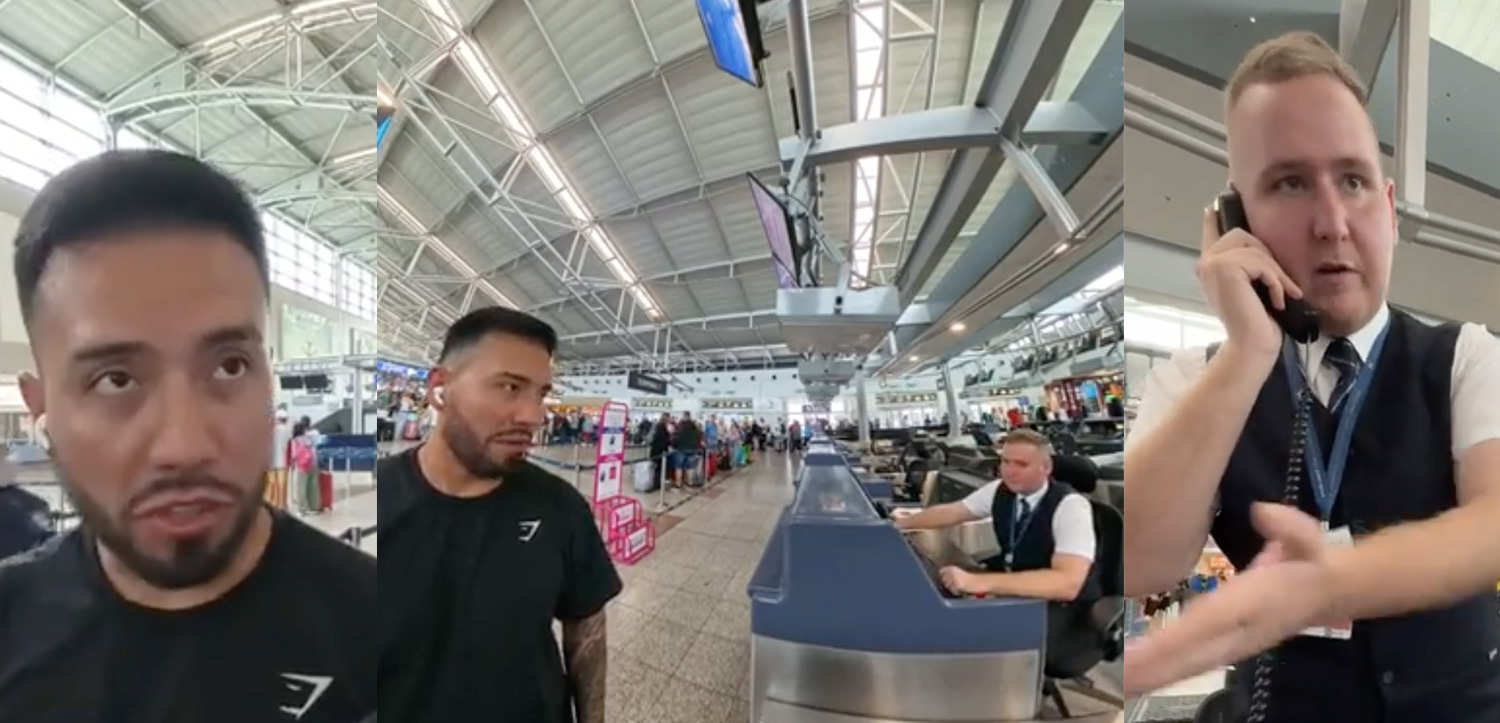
pixel 437 395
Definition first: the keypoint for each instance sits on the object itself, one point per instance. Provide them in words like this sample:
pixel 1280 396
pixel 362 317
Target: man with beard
pixel 143 282
pixel 482 551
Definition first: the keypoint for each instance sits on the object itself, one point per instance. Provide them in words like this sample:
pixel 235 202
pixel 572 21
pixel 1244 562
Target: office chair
pixel 1101 628
pixel 1066 443
pixel 1080 473
pixel 915 477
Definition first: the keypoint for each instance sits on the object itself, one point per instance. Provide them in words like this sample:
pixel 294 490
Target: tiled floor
pixel 358 510
pixel 679 635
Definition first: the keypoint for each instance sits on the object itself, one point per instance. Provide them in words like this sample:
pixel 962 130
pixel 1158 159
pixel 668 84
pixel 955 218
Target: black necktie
pixel 1023 517
pixel 1342 358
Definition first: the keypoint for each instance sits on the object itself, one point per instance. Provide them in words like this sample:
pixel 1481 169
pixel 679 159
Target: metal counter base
pixel 798 683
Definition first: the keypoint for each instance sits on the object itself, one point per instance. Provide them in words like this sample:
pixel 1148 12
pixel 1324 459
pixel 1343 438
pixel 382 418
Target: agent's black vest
pixel 1435 667
pixel 1033 551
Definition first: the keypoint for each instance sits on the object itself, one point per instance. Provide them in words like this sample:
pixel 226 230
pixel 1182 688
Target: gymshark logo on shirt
pixel 529 528
pixel 314 685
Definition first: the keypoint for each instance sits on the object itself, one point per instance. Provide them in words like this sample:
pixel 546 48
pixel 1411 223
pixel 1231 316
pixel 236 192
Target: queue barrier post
pixel 577 470
pixel 661 464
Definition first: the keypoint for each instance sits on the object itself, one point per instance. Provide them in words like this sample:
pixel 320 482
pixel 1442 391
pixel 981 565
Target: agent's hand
pixel 961 581
pixel 1226 266
pixel 1286 590
pixel 901 513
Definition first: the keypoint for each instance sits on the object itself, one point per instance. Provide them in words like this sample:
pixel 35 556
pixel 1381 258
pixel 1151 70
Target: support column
pixel 799 35
pixel 954 425
pixel 357 408
pixel 1413 67
pixel 861 409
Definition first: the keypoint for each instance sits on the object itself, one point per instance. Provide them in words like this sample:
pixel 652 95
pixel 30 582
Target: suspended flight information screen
pixel 383 116
pixel 778 227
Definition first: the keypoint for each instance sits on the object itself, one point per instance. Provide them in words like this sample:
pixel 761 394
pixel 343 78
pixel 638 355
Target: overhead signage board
pixel 646 383
pixel 729 404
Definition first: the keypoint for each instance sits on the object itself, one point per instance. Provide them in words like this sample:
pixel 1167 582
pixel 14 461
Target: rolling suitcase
pixel 325 490
pixel 644 476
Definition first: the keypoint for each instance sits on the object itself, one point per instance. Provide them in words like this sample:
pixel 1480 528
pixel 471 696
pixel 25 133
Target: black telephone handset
pixel 1297 318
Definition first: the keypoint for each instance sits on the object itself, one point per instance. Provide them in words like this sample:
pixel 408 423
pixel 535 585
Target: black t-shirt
pixel 469 591
pixel 293 642
pixel 689 437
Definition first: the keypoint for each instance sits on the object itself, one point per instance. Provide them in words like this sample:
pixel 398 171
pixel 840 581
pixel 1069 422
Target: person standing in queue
pixel 481 550
pixel 1377 591
pixel 1046 533
pixel 660 446
pixel 687 446
pixel 182 596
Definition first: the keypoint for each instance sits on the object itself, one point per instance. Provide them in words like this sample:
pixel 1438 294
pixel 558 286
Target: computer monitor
pixel 777 224
pixel 382 125
pixel 733 31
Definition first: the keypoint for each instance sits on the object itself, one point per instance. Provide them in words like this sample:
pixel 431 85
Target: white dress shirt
pixel 1475 382
pixel 1072 523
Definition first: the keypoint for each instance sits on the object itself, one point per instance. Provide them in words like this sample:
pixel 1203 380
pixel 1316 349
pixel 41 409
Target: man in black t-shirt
pixel 481 550
pixel 143 283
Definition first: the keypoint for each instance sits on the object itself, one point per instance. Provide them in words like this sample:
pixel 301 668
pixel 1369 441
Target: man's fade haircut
pixel 476 325
pixel 126 191
pixel 1289 57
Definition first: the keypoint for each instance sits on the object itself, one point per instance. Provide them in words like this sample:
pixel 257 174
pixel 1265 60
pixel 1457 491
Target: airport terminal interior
pixel 1445 267
pixel 791 222
pixel 858 241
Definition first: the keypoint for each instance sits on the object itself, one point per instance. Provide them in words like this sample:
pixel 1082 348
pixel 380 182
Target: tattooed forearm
pixel 587 658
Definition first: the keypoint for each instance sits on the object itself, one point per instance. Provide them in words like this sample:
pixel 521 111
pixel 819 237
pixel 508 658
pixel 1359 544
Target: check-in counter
pixel 848 623
pixel 878 488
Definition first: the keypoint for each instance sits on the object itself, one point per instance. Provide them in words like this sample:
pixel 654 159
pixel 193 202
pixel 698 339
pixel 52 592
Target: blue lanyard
pixel 1017 531
pixel 1327 474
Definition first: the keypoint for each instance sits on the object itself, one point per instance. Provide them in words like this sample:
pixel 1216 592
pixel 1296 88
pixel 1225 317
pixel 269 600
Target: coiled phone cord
pixel 1265 663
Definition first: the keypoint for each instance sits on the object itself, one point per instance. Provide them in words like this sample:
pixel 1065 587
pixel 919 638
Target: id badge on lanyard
pixel 1017 533
pixel 1326 474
